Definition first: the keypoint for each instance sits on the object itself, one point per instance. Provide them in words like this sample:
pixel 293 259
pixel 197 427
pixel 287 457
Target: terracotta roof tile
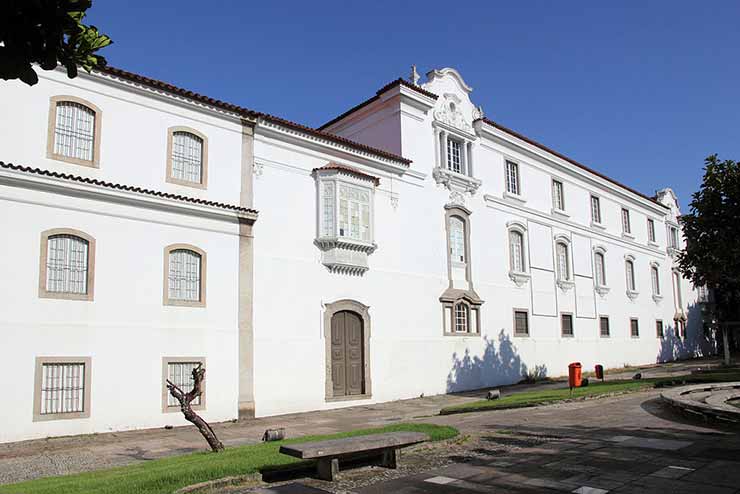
pixel 348 169
pixel 127 188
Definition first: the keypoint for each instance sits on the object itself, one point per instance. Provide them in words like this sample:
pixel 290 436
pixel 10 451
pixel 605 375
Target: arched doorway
pixel 347 354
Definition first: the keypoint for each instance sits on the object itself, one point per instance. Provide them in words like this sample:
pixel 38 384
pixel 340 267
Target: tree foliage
pixel 47 33
pixel 712 231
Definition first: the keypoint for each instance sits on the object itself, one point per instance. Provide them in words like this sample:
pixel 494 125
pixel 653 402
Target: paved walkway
pixel 57 456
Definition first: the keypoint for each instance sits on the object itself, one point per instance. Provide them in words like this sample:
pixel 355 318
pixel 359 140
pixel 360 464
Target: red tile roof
pixel 127 188
pixel 245 112
pixel 353 171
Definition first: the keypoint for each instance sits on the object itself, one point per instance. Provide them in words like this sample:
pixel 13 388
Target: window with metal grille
pixel 629 270
pixel 184 275
pixel 181 375
pixel 651 230
pixel 561 251
pixel 558 198
pixel 457 239
pixel 600 268
pixel 655 276
pixel 566 324
pixel 66 264
pixel 521 323
pixel 659 328
pixel 634 328
pixel 62 388
pixel 454 156
pixel 516 243
pixel 461 318
pixel 512 178
pixel 354 212
pixel 595 209
pixel 604 326
pixel 626 226
pixel 74 131
pixel 187 157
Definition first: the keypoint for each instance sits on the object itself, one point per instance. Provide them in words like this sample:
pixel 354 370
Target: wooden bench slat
pixel 347 445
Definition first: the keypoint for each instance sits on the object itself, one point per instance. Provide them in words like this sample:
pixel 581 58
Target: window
pixel 512 178
pixel 673 237
pixel 67 265
pixel 353 207
pixel 563 261
pixel 187 151
pixel 604 326
pixel 629 269
pixel 461 318
pixel 600 268
pixel 677 296
pixel 659 329
pixel 62 388
pixel 516 244
pixel 454 156
pixel 74 128
pixel 682 327
pixel 566 324
pixel 595 210
pixel 185 268
pixel 651 230
pixel 521 323
pixel 457 239
pixel 655 277
pixel 626 226
pixel 558 197
pixel 179 370
pixel 634 328
pixel 702 294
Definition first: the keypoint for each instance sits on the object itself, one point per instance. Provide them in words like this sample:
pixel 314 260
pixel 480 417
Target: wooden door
pixel 347 354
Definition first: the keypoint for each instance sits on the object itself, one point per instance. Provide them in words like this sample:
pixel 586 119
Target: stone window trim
pixel 563 334
pixel 520 278
pixel 608 326
pixel 450 299
pixel 632 291
pixel 363 311
pixel 556 211
pixel 601 289
pixel 657 295
pixel 625 220
pixel 204 158
pixel 43 258
pixel 166 300
pixel 514 312
pixel 594 223
pixel 517 196
pixel 569 282
pixel 463 214
pixel 53 102
pixel 165 375
pixel 38 376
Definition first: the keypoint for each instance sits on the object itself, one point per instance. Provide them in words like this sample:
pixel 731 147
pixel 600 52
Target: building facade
pixel 410 246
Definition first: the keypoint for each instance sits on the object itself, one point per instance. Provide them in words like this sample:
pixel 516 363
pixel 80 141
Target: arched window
pixel 185 276
pixel 655 278
pixel 600 269
pixel 563 261
pixel 187 161
pixel 67 263
pixel 457 239
pixel 74 131
pixel 516 245
pixel 629 270
pixel 462 318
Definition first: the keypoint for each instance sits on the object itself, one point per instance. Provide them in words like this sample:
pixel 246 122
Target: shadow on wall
pixel 697 343
pixel 499 364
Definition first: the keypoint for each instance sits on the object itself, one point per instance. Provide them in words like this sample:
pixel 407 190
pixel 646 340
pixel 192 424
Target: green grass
pixel 166 475
pixel 594 389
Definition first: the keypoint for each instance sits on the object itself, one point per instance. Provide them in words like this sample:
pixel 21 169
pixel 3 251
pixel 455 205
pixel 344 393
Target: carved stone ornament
pixel 258 170
pixel 520 279
pixel 565 285
pixel 632 294
pixel 394 202
pixel 456 181
pixel 478 113
pixel 449 113
pixel 457 198
pixel 602 290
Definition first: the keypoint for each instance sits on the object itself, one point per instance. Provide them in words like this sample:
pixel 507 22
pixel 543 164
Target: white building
pixel 409 246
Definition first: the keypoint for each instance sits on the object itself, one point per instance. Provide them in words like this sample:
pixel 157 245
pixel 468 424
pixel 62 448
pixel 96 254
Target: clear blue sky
pixel 642 91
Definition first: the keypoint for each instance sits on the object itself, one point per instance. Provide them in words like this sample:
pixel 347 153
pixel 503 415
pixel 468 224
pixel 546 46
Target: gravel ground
pixel 30 467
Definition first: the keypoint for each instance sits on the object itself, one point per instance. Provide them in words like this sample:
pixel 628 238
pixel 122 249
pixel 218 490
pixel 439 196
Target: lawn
pixel 169 474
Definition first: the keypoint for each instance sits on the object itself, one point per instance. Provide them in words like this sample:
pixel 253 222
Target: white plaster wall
pixel 126 330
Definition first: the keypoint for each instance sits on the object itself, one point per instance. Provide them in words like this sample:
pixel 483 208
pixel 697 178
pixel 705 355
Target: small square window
pixel 521 323
pixel 634 328
pixel 604 326
pixel 566 325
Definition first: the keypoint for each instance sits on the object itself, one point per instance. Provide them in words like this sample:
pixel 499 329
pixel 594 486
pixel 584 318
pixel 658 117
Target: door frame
pixel 362 311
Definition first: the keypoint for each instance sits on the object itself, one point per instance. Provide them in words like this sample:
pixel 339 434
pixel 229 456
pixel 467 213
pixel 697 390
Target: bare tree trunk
pixel 186 398
pixel 726 343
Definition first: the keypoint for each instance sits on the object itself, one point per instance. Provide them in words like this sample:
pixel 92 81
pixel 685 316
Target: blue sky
pixel 642 91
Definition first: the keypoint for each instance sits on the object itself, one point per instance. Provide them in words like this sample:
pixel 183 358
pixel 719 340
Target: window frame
pixel 166 300
pixel 626 220
pixel 203 158
pixel 651 231
pixel 557 188
pixel 656 285
pixel 570 280
pixel 463 214
pixel 563 316
pixel 608 327
pixel 526 318
pixel 597 200
pixel 51 131
pixel 518 179
pixel 461 155
pixel 604 284
pixel 637 325
pixel 166 408
pixel 86 387
pixel 43 259
pixel 520 277
pixel 630 281
pixel 338 178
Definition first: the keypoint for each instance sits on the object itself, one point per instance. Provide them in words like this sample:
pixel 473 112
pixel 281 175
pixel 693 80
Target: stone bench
pixel 381 447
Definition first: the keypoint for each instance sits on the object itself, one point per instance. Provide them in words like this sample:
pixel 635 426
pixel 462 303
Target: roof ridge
pixel 127 188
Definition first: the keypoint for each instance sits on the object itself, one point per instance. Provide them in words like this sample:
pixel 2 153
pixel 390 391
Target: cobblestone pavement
pixel 57 456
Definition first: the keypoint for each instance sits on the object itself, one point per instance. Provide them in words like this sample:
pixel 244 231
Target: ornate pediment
pixel 450 113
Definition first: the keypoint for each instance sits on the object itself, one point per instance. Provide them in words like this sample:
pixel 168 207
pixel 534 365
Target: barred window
pixel 566 324
pixel 629 269
pixel 563 263
pixel 457 239
pixel 187 157
pixel 558 198
pixel 461 318
pixel 184 275
pixel 454 156
pixel 634 328
pixel 595 209
pixel 516 244
pixel 62 388
pixel 74 131
pixel 521 323
pixel 67 264
pixel 512 178
pixel 604 326
pixel 181 375
pixel 600 268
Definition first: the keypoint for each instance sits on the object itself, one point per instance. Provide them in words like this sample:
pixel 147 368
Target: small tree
pixel 185 399
pixel 712 230
pixel 47 33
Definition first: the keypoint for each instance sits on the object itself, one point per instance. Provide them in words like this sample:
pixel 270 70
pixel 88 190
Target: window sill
pixel 520 278
pixel 85 297
pixel 75 161
pixel 559 212
pixel 514 197
pixel 599 226
pixel 566 285
pixel 451 179
pixel 653 244
pixel 567 336
pixel 176 408
pixel 62 416
pixel 521 335
pixel 185 183
pixel 475 335
pixel 183 303
pixel 628 236
pixel 604 336
pixel 335 399
pixel 602 290
pixel 657 298
pixel 632 294
pixel 672 251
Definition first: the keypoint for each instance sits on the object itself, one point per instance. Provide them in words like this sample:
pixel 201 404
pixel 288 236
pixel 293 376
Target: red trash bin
pixel 574 375
pixel 599 371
